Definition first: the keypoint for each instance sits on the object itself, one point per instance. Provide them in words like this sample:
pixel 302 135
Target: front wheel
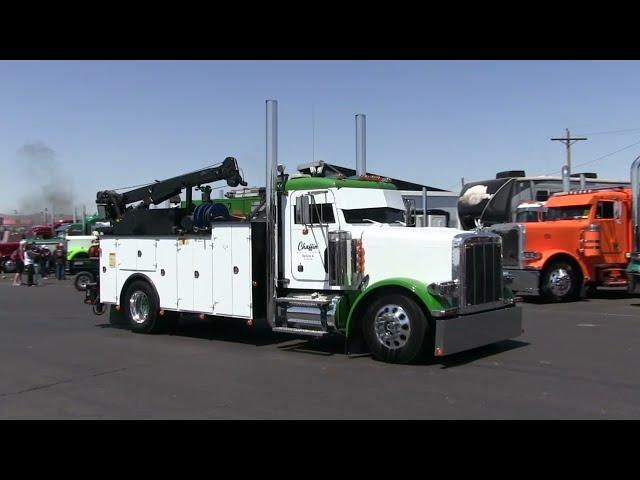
pixel 394 328
pixel 142 310
pixel 560 282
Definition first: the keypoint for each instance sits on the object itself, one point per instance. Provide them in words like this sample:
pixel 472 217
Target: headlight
pixel 443 289
pixel 531 255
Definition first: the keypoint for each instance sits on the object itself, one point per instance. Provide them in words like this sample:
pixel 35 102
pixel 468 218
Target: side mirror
pixel 303 210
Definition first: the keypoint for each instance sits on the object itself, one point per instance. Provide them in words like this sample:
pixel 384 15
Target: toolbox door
pixel 108 270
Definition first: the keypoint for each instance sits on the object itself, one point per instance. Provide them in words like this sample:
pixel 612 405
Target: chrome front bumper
pixel 465 332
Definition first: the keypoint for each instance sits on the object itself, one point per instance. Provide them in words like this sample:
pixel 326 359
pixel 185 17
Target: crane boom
pixel 115 204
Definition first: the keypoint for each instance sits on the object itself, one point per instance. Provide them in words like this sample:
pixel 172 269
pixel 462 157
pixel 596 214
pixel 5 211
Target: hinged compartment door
pixel 146 255
pixel 166 277
pixel 222 271
pixel 127 253
pixel 242 277
pixel 185 273
pixel 108 270
pixel 202 276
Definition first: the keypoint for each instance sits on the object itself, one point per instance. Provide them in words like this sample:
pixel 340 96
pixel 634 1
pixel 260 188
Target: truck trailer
pixel 317 256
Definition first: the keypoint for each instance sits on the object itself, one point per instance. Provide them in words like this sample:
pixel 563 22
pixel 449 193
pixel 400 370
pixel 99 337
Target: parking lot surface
pixel 59 361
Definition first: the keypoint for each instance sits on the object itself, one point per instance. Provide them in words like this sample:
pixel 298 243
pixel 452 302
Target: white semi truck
pixel 319 256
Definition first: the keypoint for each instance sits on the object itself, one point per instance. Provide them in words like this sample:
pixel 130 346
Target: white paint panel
pixel 185 273
pixel 167 284
pixel 203 284
pixel 146 255
pixel 222 271
pixel 127 253
pixel 242 280
pixel 108 278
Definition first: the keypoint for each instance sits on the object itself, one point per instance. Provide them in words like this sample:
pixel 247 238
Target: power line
pixel 601 157
pixel 614 131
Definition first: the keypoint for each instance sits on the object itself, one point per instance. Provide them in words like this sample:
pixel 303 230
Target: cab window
pixel 321 213
pixel 605 210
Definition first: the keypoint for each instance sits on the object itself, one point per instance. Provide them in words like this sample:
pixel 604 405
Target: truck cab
pixel 583 241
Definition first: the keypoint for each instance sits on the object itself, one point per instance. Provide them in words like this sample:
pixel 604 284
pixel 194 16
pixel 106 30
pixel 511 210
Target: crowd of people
pixel 37 262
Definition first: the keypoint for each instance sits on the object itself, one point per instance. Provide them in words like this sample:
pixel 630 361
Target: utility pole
pixel 568 141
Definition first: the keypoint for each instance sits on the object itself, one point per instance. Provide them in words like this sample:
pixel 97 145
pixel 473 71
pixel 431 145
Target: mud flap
pixel 116 317
pixel 465 332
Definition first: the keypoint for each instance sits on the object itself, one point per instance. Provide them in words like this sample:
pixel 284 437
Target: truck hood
pixel 423 254
pixel 545 235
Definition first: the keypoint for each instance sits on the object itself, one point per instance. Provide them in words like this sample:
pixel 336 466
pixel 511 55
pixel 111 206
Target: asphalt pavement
pixel 59 361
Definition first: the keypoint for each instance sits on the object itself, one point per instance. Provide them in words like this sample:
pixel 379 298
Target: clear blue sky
pixel 114 124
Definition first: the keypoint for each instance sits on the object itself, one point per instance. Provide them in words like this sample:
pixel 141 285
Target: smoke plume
pixel 45 180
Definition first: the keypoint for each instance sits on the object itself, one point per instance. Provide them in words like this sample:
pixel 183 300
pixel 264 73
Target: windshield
pixel 62 230
pixel 381 215
pixel 527 216
pixel 573 212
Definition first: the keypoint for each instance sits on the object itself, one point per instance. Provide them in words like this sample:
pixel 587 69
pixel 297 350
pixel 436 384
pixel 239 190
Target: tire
pixel 560 282
pixel 141 309
pixel 81 280
pixel 9 266
pixel 394 328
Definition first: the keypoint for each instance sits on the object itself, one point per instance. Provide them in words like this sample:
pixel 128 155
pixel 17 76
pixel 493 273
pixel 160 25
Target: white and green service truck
pixel 318 256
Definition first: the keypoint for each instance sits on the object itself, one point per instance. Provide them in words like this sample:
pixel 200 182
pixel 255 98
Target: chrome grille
pixel 479 271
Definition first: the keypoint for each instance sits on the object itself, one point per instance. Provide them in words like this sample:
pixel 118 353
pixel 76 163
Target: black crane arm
pixel 115 204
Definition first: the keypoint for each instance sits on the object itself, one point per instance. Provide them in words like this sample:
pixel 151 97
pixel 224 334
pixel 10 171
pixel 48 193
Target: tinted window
pixel 381 215
pixel 605 210
pixel 567 213
pixel 320 213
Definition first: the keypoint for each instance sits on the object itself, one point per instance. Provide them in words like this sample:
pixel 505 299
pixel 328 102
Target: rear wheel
pixel 394 328
pixel 142 310
pixel 82 279
pixel 560 282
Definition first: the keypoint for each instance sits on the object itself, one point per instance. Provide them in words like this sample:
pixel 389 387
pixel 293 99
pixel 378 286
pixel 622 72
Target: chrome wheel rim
pixel 139 307
pixel 560 282
pixel 84 279
pixel 392 326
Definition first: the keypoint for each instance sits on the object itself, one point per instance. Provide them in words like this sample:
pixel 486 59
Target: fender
pixel 548 254
pixel 418 288
pixel 71 254
pixel 133 278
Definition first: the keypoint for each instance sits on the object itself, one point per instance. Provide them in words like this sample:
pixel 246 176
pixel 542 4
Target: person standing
pixel 30 258
pixel 18 257
pixel 45 262
pixel 60 259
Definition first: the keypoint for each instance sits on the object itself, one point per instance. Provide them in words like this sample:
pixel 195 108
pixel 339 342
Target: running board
pixel 299 313
pixel 300 331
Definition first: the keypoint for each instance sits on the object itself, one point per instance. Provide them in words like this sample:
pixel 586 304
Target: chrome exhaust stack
pixel 635 192
pixel 361 145
pixel 270 208
pixel 566 180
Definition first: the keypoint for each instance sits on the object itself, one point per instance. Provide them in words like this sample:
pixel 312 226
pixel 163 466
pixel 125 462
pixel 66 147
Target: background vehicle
pixel 496 201
pixel 583 241
pixel 317 256
pixel 6 249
